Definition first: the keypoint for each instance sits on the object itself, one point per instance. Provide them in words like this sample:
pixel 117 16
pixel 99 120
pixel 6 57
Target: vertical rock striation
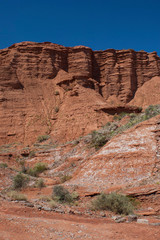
pixel 46 88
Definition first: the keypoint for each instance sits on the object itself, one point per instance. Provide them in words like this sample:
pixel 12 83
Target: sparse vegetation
pixel 37 169
pixel 100 137
pixel 52 204
pixel 3 165
pixel 75 195
pixel 114 202
pixel 152 111
pixel 20 181
pixel 45 198
pixel 56 109
pixel 40 183
pixel 32 154
pixel 13 195
pixel 120 116
pixel 56 93
pixel 61 194
pixel 65 178
pixel 98 140
pixel 43 138
pixel 23 166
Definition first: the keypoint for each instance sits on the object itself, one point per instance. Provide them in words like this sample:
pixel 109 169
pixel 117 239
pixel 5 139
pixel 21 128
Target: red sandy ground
pixel 18 222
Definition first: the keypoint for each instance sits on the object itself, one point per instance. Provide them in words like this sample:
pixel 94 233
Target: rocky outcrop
pixel 129 159
pixel 46 88
pixel 148 94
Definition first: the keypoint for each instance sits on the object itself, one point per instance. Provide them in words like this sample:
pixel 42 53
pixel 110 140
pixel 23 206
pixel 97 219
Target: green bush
pixel 152 111
pixel 37 169
pixel 3 165
pixel 32 172
pixel 75 195
pixel 40 183
pixel 98 140
pixel 23 166
pixel 20 181
pixel 65 178
pixel 42 138
pixel 114 202
pixel 120 116
pixel 40 167
pixel 13 195
pixel 61 194
pixel 52 204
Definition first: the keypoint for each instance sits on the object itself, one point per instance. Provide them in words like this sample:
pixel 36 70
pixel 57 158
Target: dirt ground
pixel 20 222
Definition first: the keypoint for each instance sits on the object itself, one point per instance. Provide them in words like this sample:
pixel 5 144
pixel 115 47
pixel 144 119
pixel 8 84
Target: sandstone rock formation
pixel 46 88
pixel 130 159
pixel 148 94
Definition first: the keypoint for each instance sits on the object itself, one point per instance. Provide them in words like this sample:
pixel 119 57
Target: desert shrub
pixel 40 167
pixel 65 178
pixel 23 166
pixel 40 183
pixel 32 154
pixel 56 93
pixel 32 172
pixel 20 181
pixel 45 198
pixel 75 195
pixel 13 195
pixel 56 109
pixel 132 115
pixel 61 194
pixel 114 202
pixel 3 165
pixel 42 138
pixel 100 137
pixel 152 111
pixel 37 169
pixel 52 204
pixel 120 116
pixel 98 140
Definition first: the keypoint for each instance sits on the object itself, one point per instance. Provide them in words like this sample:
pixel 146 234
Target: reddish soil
pixel 19 222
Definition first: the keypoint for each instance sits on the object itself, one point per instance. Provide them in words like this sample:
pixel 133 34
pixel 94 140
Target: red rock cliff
pixel 46 88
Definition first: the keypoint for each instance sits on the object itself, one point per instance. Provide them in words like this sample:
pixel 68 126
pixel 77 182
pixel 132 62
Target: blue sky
pixel 99 24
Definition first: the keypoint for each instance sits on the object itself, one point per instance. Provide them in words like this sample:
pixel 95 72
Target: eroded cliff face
pixel 66 92
pixel 129 159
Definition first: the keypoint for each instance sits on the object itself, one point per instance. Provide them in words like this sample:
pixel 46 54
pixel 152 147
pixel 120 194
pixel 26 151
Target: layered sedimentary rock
pixel 46 88
pixel 132 158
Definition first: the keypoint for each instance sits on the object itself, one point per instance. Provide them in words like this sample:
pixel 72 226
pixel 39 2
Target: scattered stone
pixel 116 217
pixel 77 212
pixel 39 207
pixel 71 212
pixel 150 208
pixel 29 204
pixel 88 213
pixel 143 221
pixel 59 210
pixel 155 224
pixel 102 214
pixel 132 218
pixel 120 220
pixel 46 209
